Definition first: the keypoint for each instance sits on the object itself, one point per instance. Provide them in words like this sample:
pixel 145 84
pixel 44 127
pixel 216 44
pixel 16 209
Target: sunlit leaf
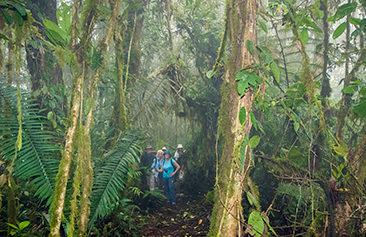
pixel 254 141
pixel 255 220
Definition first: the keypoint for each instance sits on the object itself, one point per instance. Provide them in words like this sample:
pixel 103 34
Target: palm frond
pixel 112 175
pixel 37 158
pixel 147 97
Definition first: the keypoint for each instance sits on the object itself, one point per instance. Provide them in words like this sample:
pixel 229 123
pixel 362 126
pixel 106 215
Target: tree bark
pixel 227 212
pixel 76 100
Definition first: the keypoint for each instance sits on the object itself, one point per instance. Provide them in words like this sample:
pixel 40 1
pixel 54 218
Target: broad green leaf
pixel 242 75
pixel 50 115
pixel 52 26
pixel 55 33
pixel 304 36
pixel 242 87
pixel 263 26
pixel 348 90
pixel 344 10
pixel 254 141
pixel 249 45
pixel 340 29
pixel 210 74
pixel 355 21
pixel 23 224
pixel 64 17
pixel 276 71
pixel 13 226
pixel 19 8
pixel 360 109
pixel 242 115
pixel 256 220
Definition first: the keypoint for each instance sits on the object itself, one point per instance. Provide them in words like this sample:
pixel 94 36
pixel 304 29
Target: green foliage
pixel 256 221
pixel 340 29
pixel 242 115
pixel 64 17
pixel 246 80
pixel 37 158
pixel 304 36
pixel 18 230
pixel 249 45
pixel 276 71
pixel 254 141
pixel 55 33
pixel 15 6
pixel 111 177
pixel 343 11
pixel 360 108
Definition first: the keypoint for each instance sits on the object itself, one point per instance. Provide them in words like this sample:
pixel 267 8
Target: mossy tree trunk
pixel 83 176
pixel 227 216
pixel 128 56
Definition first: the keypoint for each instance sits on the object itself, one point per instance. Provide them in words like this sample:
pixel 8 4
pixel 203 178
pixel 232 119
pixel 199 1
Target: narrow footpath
pixel 189 217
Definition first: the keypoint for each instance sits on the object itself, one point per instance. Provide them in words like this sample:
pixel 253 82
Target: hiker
pixel 177 156
pixel 168 176
pixel 164 149
pixel 158 176
pixel 179 152
pixel 146 162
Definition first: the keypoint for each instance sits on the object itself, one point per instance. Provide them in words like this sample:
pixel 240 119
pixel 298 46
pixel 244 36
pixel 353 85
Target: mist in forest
pixel 182 118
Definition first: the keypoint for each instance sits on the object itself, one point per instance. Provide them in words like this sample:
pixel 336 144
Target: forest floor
pixel 189 217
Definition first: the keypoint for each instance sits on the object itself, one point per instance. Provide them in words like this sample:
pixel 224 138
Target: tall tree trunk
pixel 325 91
pixel 227 212
pixel 128 57
pixel 58 203
pixel 347 80
pixel 84 150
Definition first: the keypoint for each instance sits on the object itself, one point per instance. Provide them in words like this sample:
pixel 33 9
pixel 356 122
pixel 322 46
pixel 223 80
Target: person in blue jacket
pixel 169 168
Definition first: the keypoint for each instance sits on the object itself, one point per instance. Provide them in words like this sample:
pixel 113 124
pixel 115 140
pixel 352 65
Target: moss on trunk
pixel 227 215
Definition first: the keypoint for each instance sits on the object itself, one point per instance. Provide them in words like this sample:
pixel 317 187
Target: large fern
pixel 37 160
pixel 111 176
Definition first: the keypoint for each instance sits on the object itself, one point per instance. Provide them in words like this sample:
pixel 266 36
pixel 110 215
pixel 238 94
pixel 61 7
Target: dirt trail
pixel 189 217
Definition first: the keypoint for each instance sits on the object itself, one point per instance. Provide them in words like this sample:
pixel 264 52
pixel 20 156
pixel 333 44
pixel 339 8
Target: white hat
pixel 164 148
pixel 179 146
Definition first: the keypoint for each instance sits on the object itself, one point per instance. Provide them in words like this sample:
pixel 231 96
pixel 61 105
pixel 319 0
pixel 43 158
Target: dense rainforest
pixel 266 101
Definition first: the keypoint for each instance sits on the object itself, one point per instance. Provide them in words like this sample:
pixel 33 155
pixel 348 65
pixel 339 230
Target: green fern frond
pixel 112 176
pixel 37 159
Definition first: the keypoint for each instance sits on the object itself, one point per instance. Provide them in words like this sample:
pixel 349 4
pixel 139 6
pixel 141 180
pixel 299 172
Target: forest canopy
pixel 267 97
